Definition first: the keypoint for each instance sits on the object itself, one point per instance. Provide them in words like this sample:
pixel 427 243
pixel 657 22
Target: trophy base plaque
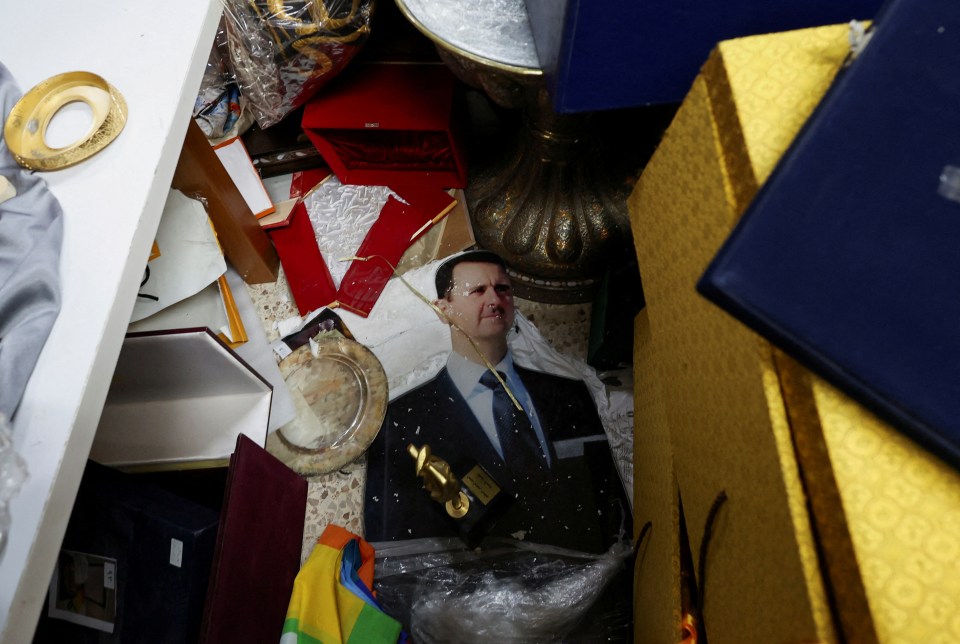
pixel 473 503
pixel 487 503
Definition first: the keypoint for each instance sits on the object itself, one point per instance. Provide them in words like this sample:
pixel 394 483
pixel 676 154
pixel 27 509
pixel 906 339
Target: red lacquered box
pixel 390 124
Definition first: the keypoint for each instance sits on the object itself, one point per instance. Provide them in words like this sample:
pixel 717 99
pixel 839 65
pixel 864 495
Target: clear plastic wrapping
pixel 217 108
pixel 13 472
pixel 282 53
pixel 506 591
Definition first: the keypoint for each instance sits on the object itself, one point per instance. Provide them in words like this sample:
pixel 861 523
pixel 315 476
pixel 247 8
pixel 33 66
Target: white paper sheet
pixel 190 257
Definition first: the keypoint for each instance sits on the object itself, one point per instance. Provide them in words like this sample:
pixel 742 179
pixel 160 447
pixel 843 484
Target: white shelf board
pixel 154 53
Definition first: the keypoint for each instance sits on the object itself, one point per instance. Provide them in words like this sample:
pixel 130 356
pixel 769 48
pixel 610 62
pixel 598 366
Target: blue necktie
pixel 518 440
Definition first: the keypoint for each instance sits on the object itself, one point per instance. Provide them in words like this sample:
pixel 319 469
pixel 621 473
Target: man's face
pixel 481 300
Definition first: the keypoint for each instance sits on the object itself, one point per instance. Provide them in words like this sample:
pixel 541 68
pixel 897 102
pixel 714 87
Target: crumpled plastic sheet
pixel 13 473
pixel 217 106
pixel 283 53
pixel 505 591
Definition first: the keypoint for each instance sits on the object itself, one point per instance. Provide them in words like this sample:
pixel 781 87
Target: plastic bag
pixel 217 107
pixel 505 591
pixel 282 53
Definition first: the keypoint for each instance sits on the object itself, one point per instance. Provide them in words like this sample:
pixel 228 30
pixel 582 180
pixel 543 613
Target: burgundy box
pixel 257 553
pixel 389 124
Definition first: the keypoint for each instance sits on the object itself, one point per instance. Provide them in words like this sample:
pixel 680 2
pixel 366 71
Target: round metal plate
pixel 341 400
pixel 26 127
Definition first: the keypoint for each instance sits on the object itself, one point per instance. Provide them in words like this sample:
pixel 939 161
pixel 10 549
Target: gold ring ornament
pixel 26 127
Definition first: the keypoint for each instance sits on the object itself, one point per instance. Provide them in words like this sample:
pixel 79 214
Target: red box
pixel 389 124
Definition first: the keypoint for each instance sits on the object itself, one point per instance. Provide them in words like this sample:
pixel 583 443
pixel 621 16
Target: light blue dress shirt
pixel 466 377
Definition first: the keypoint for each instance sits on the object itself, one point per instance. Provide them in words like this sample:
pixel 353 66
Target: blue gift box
pixel 607 54
pixel 849 255
pixel 133 567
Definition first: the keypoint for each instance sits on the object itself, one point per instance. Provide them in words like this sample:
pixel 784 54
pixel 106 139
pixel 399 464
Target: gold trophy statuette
pixel 474 502
pixel 440 481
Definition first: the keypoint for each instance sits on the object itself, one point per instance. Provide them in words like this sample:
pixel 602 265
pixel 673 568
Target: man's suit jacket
pixel 582 504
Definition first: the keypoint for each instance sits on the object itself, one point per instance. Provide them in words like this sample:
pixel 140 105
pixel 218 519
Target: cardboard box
pixel 626 53
pixel 383 124
pixel 797 458
pixel 179 399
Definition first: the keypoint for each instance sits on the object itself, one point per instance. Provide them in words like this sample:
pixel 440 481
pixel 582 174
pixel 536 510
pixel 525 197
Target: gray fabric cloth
pixel 31 234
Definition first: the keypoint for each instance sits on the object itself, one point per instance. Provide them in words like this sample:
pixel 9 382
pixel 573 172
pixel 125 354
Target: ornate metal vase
pixel 550 205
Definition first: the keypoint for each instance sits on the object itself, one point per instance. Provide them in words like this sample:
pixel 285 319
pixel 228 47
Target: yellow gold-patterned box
pixel 657 594
pixel 835 527
pixel 719 389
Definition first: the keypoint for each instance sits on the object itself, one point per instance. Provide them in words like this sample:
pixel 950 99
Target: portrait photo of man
pixel 544 445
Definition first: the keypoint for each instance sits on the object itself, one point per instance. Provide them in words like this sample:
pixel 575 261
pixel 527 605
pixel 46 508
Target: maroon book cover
pixel 257 555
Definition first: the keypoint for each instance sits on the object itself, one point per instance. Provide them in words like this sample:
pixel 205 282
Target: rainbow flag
pixel 332 602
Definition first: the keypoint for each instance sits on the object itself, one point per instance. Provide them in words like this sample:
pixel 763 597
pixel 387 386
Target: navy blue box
pixel 849 256
pixel 155 547
pixel 606 54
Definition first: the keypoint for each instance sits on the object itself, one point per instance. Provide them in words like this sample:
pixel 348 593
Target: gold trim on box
pixel 26 127
pixel 824 501
pixel 169 466
pixel 238 333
